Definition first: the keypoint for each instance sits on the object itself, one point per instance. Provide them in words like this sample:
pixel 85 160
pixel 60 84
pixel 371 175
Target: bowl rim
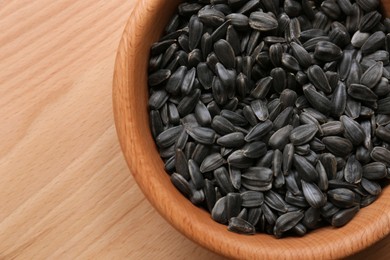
pixel 354 237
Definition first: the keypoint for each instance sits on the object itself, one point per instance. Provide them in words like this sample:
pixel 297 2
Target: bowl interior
pixel 130 96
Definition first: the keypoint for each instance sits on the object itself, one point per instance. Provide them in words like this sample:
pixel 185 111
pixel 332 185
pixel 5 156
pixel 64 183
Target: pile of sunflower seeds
pixel 274 115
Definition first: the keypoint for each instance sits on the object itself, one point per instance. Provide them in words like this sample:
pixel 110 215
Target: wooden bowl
pixel 130 96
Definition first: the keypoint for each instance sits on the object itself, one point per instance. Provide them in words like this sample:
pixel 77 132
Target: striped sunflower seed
pixel 275 201
pixel 313 195
pixel 342 217
pixel 316 99
pixel 339 99
pixel 262 21
pixel 353 170
pixel 260 109
pixel 327 51
pixel 181 184
pixel 219 211
pixel 342 197
pixel 222 179
pixel 212 162
pixel 352 130
pixel 375 42
pixel 252 199
pixel 361 92
pixel 338 145
pixel 254 150
pixel 237 159
pixel 372 75
pixel 305 169
pixel 286 222
pixel 280 138
pixel 381 154
pixel 259 131
pixel 318 78
pixel 262 88
pixel 303 134
pixel 373 188
pixel 374 171
pixel 369 21
pixel 241 226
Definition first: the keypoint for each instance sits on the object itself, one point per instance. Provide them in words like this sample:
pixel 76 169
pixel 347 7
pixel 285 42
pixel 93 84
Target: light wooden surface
pixel 65 189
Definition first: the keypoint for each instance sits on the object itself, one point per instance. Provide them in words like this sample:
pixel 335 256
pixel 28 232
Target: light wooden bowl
pixel 130 97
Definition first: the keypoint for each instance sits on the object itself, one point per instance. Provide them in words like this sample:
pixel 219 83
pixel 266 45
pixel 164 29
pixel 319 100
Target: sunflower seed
pixel 303 134
pixel 240 21
pixel 181 184
pixel 305 169
pixel 345 6
pixel 371 187
pixel 221 176
pixel 212 162
pixel 361 92
pixel 372 75
pixel 381 154
pixel 311 218
pixel 239 160
pixel 369 21
pixel 286 222
pixel 222 126
pixel 367 200
pixel 225 53
pixel 323 177
pixel 384 106
pixel 338 145
pixel 262 88
pixel 258 131
pixel 203 135
pixel 353 170
pixel 313 194
pixel 167 137
pixel 290 63
pixel 374 171
pixel 353 131
pixel 195 174
pixel 332 128
pixel 343 216
pixel 375 42
pixel 316 99
pixel 262 21
pixel 254 215
pixel 294 31
pixel 302 56
pixel 283 118
pixel 342 197
pixel 382 89
pixel 360 38
pixel 260 109
pixel 320 21
pixel 241 226
pixel 233 204
pixel 368 5
pixel 219 211
pixel 275 201
pixel 235 177
pixel 383 133
pixel 279 77
pixel 327 51
pixel 252 199
pixel 280 138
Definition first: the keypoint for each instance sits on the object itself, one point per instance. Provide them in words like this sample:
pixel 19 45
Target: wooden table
pixel 65 189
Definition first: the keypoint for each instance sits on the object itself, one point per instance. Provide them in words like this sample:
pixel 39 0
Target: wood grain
pixel 65 189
